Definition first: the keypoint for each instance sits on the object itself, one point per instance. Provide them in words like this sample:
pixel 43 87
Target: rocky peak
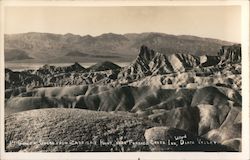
pixel 230 54
pixel 139 67
pixel 103 66
pixel 47 66
pixel 45 70
pixel 160 64
pixel 49 70
pixel 77 66
pixel 150 62
pixel 146 54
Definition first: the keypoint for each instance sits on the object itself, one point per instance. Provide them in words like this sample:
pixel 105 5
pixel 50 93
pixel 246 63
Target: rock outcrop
pixel 51 70
pixel 103 66
pixel 206 61
pixel 139 67
pixel 230 54
pixel 150 62
pixel 21 79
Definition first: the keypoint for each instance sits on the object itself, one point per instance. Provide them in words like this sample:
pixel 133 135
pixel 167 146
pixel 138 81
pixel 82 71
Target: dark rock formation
pixel 160 65
pixel 139 67
pixel 230 54
pixel 15 91
pixel 206 61
pixel 19 79
pixel 103 66
pixel 51 70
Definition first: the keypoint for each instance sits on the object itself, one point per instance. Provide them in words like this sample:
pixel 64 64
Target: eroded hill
pixel 166 95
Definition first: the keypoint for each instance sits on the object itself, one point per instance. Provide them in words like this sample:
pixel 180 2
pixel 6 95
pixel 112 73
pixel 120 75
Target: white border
pixel 244 155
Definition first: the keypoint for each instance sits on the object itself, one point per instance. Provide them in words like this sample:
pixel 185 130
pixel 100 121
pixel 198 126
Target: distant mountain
pixel 76 54
pixel 102 66
pixel 16 54
pixel 47 47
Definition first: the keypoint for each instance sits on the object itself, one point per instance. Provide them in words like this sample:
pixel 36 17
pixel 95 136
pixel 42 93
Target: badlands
pixel 177 102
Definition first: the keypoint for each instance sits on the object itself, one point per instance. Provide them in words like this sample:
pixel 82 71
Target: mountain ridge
pixel 44 47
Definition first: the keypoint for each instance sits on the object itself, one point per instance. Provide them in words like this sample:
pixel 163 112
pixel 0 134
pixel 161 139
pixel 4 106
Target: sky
pixel 220 22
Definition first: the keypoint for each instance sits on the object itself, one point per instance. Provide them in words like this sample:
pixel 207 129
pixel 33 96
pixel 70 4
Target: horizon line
pixel 94 36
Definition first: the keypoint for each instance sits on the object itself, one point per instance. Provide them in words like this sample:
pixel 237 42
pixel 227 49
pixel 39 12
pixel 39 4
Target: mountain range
pixel 57 48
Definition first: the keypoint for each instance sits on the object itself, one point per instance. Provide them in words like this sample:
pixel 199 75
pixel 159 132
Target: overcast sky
pixel 222 22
